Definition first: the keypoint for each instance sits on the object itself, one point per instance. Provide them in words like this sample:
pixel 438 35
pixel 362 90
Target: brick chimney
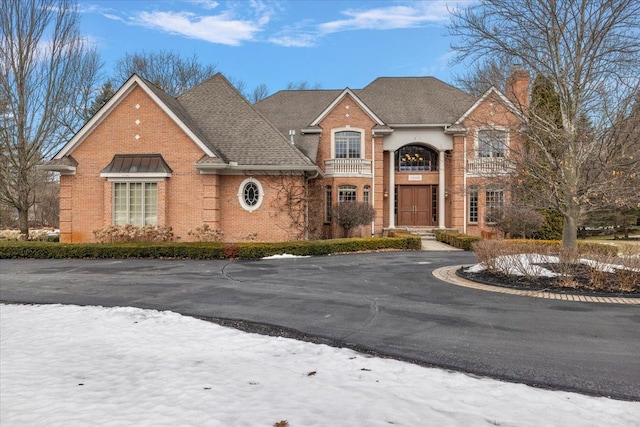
pixel 518 88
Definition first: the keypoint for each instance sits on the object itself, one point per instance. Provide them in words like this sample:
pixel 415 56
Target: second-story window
pixel 492 143
pixel 347 145
pixel 416 158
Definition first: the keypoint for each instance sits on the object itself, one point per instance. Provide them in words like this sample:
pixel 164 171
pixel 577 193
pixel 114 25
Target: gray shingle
pixel 415 100
pixel 234 128
pixel 295 110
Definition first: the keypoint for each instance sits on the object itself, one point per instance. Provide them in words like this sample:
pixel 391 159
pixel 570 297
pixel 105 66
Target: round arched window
pixel 412 158
pixel 250 194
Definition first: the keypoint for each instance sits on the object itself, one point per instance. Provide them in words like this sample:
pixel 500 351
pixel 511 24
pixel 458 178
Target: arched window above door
pixel 416 158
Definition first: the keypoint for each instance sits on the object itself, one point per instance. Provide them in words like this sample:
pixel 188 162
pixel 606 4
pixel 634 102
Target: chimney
pixel 518 88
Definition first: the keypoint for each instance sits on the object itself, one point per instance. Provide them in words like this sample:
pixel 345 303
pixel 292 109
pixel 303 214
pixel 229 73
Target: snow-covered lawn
pixel 81 366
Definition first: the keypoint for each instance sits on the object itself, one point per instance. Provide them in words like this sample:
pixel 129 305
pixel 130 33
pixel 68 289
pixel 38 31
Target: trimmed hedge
pixel 591 247
pixel 201 250
pixel 456 239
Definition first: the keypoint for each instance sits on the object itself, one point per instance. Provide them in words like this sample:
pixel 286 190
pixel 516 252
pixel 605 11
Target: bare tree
pixel 47 77
pixel 168 70
pixel 492 72
pixel 589 50
pixel 303 85
pixel 259 93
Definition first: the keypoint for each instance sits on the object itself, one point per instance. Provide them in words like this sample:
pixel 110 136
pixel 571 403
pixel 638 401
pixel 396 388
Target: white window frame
pixel 490 203
pixel 492 152
pixel 347 188
pixel 241 200
pixel 328 196
pixel 143 212
pixel 347 129
pixel 474 198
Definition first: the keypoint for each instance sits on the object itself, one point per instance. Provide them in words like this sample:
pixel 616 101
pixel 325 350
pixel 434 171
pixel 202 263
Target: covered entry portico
pixel 420 202
pixel 417 205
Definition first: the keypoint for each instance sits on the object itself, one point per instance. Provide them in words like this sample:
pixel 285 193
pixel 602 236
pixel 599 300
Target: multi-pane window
pixel 366 194
pixel 251 194
pixel 473 205
pixel 135 203
pixel 347 145
pixel 328 193
pixel 494 202
pixel 347 193
pixel 492 143
pixel 416 158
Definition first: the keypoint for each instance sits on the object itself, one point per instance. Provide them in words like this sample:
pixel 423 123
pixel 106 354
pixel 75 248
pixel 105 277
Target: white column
pixel 392 188
pixel 441 189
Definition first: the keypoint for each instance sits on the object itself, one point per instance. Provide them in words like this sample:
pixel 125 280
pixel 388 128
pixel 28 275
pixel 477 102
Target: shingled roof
pixel 415 100
pixel 295 110
pixel 235 129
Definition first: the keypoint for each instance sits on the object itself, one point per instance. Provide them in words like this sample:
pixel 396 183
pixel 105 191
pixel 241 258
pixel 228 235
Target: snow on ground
pixel 527 265
pixel 79 366
pixel 285 256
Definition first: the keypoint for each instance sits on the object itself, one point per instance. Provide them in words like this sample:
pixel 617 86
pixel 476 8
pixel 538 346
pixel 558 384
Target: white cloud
pixel 294 40
pixel 221 28
pixel 388 18
pixel 206 4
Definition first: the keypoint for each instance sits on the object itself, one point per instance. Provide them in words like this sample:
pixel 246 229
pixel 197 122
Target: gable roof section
pixel 415 100
pixel 295 110
pixel 339 98
pixel 164 101
pixel 235 129
pixel 492 90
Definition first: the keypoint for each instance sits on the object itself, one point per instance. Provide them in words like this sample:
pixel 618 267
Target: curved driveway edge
pixel 448 274
pixel 387 303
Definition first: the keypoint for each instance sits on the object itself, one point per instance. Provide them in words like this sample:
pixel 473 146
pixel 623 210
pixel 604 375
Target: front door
pixel 417 205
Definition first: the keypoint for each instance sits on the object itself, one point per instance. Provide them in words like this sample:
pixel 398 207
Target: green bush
pixel 200 250
pixel 456 239
pixel 551 226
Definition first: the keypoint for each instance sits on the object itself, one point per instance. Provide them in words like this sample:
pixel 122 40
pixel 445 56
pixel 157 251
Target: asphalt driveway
pixel 388 303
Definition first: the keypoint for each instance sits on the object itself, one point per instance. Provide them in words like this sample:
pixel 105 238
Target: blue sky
pixel 333 43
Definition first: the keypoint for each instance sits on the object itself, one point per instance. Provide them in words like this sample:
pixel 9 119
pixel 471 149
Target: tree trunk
pixel 23 222
pixel 570 226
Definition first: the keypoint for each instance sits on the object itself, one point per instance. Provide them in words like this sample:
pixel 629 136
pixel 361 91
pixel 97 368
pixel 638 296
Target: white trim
pixel 115 100
pixel 241 194
pixel 483 98
pixel 347 129
pixel 339 98
pixel 62 169
pixel 145 175
pixel 507 142
pixel 135 179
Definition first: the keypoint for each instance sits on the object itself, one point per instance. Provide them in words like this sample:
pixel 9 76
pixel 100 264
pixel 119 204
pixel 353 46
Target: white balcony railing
pixel 488 166
pixel 347 167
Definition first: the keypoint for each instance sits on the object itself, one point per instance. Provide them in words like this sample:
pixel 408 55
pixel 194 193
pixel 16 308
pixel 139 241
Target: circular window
pixel 250 194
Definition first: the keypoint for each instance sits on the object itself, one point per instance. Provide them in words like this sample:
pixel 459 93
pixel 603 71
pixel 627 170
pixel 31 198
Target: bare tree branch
pixel 48 73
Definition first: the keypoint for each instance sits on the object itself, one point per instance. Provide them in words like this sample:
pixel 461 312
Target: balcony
pixel 490 166
pixel 347 167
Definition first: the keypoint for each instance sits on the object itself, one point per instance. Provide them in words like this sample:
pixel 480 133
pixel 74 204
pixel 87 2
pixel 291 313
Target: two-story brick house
pixel 420 151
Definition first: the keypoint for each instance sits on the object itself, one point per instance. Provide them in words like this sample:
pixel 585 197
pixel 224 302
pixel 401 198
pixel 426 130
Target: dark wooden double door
pixel 417 205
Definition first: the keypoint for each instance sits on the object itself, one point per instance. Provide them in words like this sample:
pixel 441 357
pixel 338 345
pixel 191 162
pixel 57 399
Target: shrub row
pixel 456 239
pixel 586 247
pixel 201 250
